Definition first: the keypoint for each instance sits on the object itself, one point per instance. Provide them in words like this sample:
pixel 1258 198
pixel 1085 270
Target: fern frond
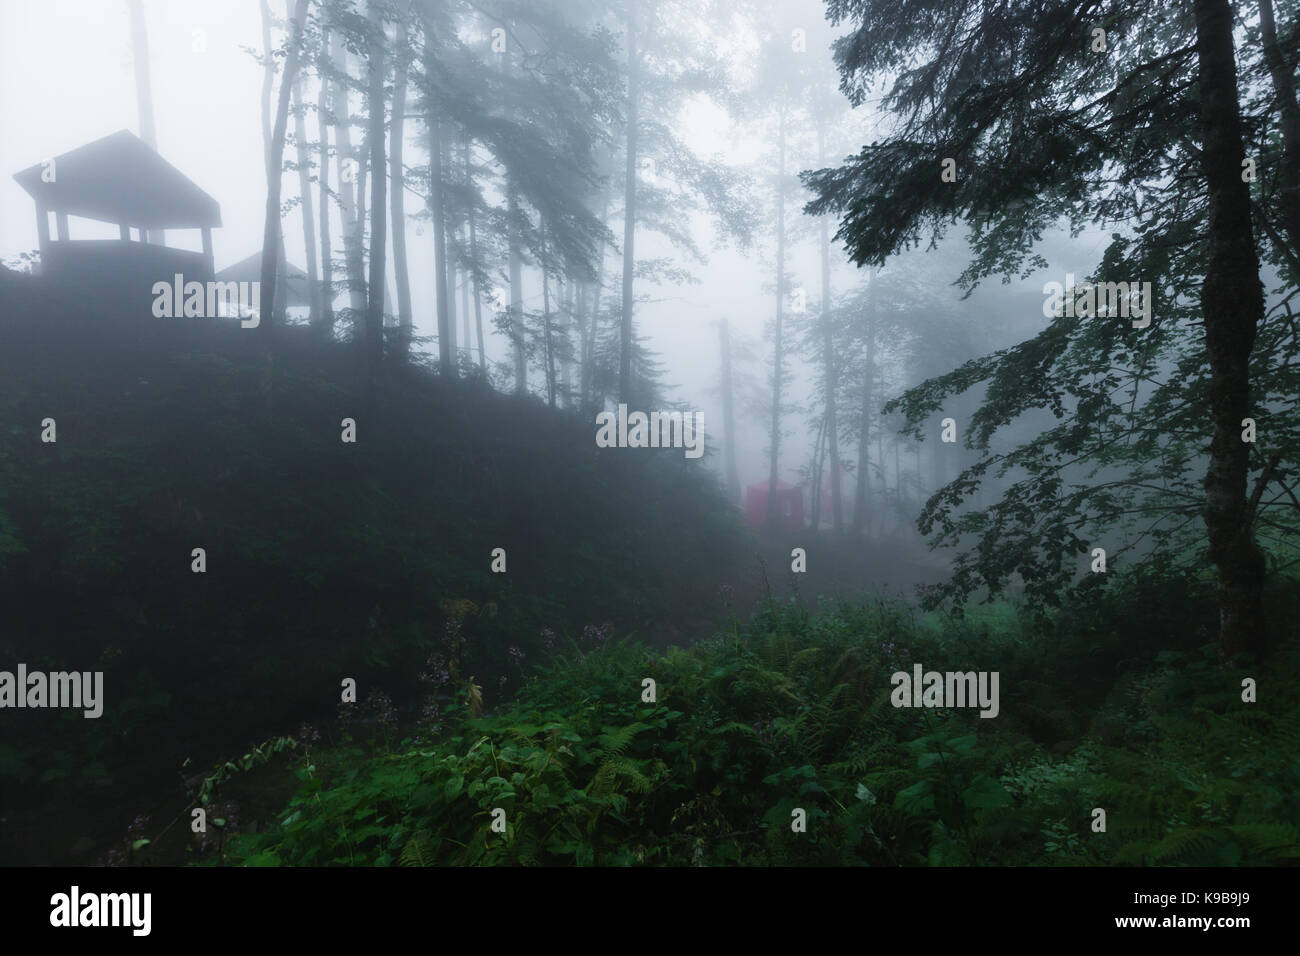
pixel 417 851
pixel 614 742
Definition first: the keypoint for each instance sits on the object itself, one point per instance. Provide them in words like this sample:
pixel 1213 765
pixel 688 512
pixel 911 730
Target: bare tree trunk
pixel 629 208
pixel 378 227
pixel 862 496
pixel 272 245
pixel 566 353
pixel 272 301
pixel 325 327
pixel 304 195
pixel 437 212
pixel 582 319
pixel 473 255
pixel 728 413
pixel 550 345
pixel 449 240
pixel 349 194
pixel 936 465
pixel 815 474
pixel 1232 301
pixel 268 75
pixel 920 484
pixel 516 296
pixel 829 365
pixel 877 519
pixel 463 274
pixel 898 475
pixel 588 369
pixel 359 224
pixel 777 345
pixel 397 178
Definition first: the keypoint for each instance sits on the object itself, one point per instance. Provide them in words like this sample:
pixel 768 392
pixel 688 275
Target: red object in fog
pixel 789 506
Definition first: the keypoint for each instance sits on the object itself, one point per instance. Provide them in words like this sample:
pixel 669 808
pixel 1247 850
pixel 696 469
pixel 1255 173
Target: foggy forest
pixel 651 433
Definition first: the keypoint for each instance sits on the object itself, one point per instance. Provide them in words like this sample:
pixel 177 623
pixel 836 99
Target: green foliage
pixel 792 711
pixel 256 757
pixel 1094 430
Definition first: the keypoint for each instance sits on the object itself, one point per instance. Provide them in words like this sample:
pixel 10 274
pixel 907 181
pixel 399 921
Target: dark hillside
pixel 325 559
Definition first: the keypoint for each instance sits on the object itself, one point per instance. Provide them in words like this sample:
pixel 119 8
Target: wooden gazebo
pixel 118 179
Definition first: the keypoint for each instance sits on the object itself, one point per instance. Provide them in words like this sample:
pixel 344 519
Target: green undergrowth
pixel 791 711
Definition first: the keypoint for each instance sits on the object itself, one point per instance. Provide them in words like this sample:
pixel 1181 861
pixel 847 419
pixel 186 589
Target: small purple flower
pixel 596 636
pixel 436 673
pixel 215 833
pixel 380 705
pixel 121 854
pixel 431 722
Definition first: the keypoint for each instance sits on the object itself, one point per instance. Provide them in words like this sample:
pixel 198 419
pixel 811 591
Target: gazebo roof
pixel 250 270
pixel 296 286
pixel 120 179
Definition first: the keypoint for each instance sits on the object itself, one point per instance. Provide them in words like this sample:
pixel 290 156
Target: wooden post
pixel 63 226
pixel 43 232
pixel 125 231
pixel 207 251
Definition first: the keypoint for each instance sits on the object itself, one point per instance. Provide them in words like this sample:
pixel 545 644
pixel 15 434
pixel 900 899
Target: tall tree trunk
pixel 462 277
pixel 449 240
pixel 378 227
pixel 268 75
pixel 830 370
pixel 1232 301
pixel 728 414
pixel 582 321
pixel 143 94
pixel 272 243
pixel 566 320
pixel 516 294
pixel 550 345
pixel 936 465
pixel 473 255
pixel 629 208
pixel 325 326
pixel 862 496
pixel 815 474
pixel 879 519
pixel 304 195
pixel 349 194
pixel 397 183
pixel 437 211
pixel 273 302
pixel 359 224
pixel 462 244
pixel 777 345
pixel 588 370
